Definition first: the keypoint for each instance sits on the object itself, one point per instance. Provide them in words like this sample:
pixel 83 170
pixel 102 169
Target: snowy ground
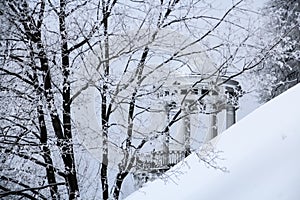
pixel 260 154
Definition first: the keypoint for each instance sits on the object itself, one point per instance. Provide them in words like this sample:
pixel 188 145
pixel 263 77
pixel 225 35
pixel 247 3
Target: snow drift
pixel 260 154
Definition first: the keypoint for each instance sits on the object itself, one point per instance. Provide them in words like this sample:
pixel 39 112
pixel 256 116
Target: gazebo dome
pixel 194 59
pixel 188 54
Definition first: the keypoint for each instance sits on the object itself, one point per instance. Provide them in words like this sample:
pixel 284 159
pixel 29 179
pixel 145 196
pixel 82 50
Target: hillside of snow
pixel 258 158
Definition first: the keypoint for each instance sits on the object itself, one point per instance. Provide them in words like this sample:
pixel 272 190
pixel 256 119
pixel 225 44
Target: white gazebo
pixel 192 98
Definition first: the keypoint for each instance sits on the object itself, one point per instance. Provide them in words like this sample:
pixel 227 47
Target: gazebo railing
pixel 158 159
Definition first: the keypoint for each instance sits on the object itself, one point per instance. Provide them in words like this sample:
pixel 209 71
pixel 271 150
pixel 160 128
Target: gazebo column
pixel 230 115
pixel 187 128
pixel 213 130
pixel 230 108
pixel 213 124
pixel 166 142
pixel 166 149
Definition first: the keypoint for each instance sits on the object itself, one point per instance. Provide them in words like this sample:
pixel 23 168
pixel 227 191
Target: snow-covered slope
pixel 260 153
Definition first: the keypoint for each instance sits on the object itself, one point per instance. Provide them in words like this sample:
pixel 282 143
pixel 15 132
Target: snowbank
pixel 260 154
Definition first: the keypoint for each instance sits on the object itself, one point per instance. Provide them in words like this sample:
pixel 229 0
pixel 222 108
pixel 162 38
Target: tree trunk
pixel 47 155
pixel 104 103
pixel 69 153
pixel 104 121
pixel 120 179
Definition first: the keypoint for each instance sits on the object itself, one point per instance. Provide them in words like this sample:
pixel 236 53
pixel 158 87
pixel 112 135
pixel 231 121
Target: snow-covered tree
pixel 281 70
pixel 36 88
